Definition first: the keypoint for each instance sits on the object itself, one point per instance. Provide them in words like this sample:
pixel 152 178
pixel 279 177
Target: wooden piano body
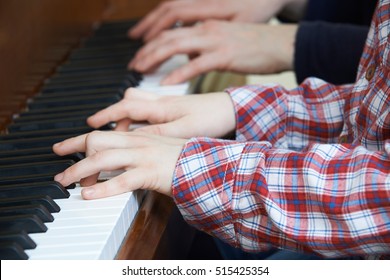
pixel 35 37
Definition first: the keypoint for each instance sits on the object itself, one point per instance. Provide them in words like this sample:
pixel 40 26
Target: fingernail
pixel 89 192
pixel 59 177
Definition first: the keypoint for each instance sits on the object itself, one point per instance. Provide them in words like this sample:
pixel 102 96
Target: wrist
pixel 285 47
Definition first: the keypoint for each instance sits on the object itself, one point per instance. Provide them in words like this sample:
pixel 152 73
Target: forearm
pixel 253 196
pixel 290 118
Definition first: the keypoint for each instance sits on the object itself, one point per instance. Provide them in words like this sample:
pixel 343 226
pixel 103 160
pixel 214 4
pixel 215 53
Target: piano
pixel 39 219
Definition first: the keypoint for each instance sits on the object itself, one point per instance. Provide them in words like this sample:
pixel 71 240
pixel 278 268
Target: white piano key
pixel 77 251
pixel 59 233
pixel 103 222
pixel 151 82
pixel 52 241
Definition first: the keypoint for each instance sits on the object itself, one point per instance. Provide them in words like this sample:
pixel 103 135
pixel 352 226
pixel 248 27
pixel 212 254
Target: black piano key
pixel 84 93
pixel 61 110
pixel 36 209
pixel 91 63
pixel 122 25
pixel 45 133
pixel 131 47
pixel 114 41
pixel 95 84
pixel 91 85
pixel 36 152
pixel 19 237
pixel 104 82
pixel 53 189
pixel 77 101
pixel 27 152
pixel 85 79
pixel 81 77
pixel 47 124
pixel 117 41
pixel 18 144
pixel 57 116
pixel 44 200
pixel 69 77
pixel 51 116
pixel 34 169
pixel 118 52
pixel 39 158
pixel 29 223
pixel 114 89
pixel 12 251
pixel 103 75
pixel 109 67
pixel 27 179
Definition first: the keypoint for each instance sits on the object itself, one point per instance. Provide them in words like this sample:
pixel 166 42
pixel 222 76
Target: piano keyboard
pixel 39 219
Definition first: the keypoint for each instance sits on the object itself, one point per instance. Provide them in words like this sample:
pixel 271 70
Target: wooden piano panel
pixel 125 9
pixel 34 36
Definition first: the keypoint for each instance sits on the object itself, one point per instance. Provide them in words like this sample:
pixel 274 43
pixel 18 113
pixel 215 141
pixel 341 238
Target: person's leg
pixel 230 253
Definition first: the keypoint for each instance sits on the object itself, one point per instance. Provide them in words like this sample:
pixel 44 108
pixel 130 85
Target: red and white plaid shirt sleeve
pixel 286 181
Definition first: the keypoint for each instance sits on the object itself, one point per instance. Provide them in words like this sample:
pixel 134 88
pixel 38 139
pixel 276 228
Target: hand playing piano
pixel 185 116
pixel 220 45
pixel 148 162
pixel 147 157
pixel 169 13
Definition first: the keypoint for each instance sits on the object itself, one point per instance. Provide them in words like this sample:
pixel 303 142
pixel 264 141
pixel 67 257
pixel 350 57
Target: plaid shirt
pixel 309 169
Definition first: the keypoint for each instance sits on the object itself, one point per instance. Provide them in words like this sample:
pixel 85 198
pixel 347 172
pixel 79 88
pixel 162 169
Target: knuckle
pixel 122 183
pixel 94 134
pixel 175 45
pixel 167 5
pixel 92 138
pixel 164 35
pixel 126 104
pixel 98 156
pixel 67 172
pixel 158 54
pixel 196 66
pixel 172 15
pixel 129 92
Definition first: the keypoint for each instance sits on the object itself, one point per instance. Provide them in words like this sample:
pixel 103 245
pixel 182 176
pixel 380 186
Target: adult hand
pixel 148 162
pixel 190 11
pixel 221 45
pixel 186 116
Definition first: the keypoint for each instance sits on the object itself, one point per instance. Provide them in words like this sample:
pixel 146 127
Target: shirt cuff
pixel 261 112
pixel 202 185
pixel 212 192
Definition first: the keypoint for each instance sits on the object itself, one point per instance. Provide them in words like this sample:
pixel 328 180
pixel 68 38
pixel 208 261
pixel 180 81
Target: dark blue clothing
pixel 330 39
pixel 330 51
pixel 341 11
